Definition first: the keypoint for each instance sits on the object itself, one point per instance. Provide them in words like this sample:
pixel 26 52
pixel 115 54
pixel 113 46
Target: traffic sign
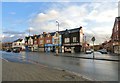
pixel 93 39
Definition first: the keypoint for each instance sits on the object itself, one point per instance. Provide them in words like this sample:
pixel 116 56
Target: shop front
pixel 72 48
pixel 48 47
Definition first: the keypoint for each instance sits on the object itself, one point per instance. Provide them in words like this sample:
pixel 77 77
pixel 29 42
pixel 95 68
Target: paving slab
pixel 12 71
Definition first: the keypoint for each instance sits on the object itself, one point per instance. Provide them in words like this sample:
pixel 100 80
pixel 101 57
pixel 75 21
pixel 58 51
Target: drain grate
pixel 69 76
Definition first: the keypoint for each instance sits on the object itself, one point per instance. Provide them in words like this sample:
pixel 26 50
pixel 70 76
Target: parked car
pixel 8 50
pixel 16 50
pixel 103 51
pixel 88 51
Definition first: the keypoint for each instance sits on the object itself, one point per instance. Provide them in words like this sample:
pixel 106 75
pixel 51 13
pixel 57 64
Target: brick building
pixel 48 42
pixel 41 42
pixel 115 37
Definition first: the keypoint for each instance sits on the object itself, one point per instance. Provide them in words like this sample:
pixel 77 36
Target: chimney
pixel 44 32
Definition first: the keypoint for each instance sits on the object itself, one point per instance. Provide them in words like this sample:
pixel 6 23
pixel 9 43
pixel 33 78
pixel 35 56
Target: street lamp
pixel 58 24
pixel 57 51
pixel 30 29
pixel 93 39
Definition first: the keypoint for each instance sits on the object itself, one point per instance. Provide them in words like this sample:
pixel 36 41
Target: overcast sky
pixel 96 18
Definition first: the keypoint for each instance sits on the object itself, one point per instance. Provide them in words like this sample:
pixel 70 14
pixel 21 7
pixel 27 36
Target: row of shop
pixel 63 41
pixel 53 48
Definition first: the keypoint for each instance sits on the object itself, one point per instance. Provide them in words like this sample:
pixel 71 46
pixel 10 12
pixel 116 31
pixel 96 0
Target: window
pixel 117 27
pixel 35 42
pixel 30 41
pixel 67 40
pixel 48 41
pixel 48 35
pixel 14 43
pixel 116 37
pixel 74 39
pixel 55 41
pixel 41 36
pixel 56 34
pixel 41 41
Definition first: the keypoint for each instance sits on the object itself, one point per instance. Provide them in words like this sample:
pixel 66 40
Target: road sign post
pixel 93 39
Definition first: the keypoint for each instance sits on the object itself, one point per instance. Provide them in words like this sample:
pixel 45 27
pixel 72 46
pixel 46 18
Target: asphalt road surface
pixel 99 70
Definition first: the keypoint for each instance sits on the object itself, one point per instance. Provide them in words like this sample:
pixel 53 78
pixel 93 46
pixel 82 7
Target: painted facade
pixel 57 42
pixel 72 40
pixel 29 43
pixel 19 43
pixel 35 42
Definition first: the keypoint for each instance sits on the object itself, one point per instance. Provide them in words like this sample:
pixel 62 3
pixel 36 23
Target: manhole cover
pixel 68 76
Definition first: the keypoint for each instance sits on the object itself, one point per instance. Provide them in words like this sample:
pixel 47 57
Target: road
pixel 99 70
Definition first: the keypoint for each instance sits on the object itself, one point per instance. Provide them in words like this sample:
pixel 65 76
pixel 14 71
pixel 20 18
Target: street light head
pixel 56 21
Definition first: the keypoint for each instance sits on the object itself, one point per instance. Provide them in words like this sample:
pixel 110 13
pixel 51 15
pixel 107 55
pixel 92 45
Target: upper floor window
pixel 117 37
pixel 14 43
pixel 41 36
pixel 48 41
pixel 74 39
pixel 30 41
pixel 55 41
pixel 67 40
pixel 35 42
pixel 117 27
pixel 48 35
pixel 41 41
pixel 56 34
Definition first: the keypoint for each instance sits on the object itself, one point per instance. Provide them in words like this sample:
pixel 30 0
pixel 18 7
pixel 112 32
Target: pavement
pixel 30 72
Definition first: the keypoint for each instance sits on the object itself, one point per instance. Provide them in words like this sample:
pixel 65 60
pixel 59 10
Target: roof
pixel 36 36
pixel 18 40
pixel 52 33
pixel 60 32
pixel 72 30
pixel 118 18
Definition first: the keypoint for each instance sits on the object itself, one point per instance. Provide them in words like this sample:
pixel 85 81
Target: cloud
pixel 12 13
pixel 13 32
pixel 10 36
pixel 70 17
pixel 96 18
pixel 105 16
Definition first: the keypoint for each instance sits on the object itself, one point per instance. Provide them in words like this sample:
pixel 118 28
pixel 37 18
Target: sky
pixel 96 18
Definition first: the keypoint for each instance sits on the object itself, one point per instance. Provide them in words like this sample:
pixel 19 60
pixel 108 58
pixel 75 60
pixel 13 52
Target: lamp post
pixel 29 32
pixel 93 39
pixel 85 43
pixel 57 51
